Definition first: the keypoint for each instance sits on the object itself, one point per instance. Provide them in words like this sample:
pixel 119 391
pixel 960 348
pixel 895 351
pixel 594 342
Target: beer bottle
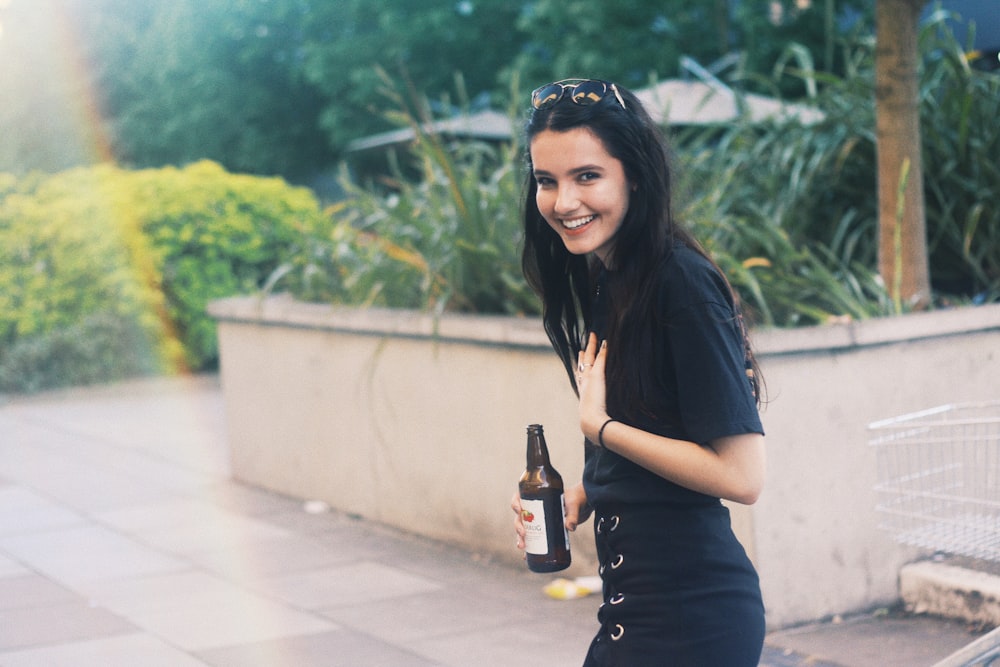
pixel 543 508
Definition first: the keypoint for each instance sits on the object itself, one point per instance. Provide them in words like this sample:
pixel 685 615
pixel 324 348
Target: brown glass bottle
pixel 543 508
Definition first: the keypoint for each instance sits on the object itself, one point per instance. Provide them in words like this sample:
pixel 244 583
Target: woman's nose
pixel 567 200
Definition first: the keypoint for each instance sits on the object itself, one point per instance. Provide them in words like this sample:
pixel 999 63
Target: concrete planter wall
pixel 420 424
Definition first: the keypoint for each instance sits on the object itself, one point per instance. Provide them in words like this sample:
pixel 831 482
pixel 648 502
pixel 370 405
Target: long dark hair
pixel 566 282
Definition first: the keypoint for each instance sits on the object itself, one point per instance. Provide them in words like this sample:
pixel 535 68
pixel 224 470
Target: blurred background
pixel 158 154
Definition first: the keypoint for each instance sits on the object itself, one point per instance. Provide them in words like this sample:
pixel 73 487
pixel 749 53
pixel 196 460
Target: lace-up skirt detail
pixel 678 590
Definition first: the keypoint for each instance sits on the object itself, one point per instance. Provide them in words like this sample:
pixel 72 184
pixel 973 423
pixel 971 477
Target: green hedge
pixel 133 257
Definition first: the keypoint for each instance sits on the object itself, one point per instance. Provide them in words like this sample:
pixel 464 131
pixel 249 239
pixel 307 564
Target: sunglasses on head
pixel 581 91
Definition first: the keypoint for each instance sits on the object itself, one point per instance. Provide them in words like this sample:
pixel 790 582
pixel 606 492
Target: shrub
pixel 100 348
pixel 961 141
pixel 445 237
pixel 450 238
pixel 68 250
pixel 803 198
pixel 146 250
pixel 215 234
pixel 789 210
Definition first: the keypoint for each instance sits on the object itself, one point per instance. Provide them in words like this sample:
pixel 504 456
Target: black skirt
pixel 679 590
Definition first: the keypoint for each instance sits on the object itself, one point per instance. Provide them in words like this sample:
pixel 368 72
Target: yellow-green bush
pixel 215 234
pixel 149 248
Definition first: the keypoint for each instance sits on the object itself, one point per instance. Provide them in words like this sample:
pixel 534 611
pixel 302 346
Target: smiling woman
pixel 652 339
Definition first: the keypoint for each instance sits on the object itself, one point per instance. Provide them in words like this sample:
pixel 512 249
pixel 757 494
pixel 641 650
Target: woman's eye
pixel 589 176
pixel 543 181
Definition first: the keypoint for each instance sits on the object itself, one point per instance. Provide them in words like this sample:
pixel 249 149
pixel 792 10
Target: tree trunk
pixel 902 248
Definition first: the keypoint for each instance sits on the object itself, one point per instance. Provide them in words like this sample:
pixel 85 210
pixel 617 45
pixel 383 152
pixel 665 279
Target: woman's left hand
pixel 578 509
pixel 591 385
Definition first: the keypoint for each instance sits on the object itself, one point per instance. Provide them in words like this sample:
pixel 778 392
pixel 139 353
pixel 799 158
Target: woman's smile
pixel 577 223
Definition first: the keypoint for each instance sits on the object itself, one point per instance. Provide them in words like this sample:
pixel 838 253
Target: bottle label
pixel 537 524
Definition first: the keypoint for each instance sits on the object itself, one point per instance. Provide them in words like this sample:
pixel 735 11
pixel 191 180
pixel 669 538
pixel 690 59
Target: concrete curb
pixel 951 592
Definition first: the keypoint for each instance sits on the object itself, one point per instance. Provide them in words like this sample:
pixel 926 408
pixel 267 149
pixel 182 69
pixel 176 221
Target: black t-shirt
pixel 702 391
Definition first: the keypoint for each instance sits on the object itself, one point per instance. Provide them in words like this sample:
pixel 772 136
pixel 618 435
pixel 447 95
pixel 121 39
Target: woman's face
pixel 582 190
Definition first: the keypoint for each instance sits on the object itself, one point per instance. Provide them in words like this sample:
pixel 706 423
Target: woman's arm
pixel 731 467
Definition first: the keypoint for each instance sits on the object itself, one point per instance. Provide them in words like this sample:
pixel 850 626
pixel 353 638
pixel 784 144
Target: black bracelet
pixel 600 434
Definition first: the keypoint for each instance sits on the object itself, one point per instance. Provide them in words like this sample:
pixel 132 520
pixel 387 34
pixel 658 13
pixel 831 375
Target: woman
pixel 651 337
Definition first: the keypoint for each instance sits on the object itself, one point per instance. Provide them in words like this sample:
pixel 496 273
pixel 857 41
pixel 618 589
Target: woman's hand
pixel 515 504
pixel 577 510
pixel 590 382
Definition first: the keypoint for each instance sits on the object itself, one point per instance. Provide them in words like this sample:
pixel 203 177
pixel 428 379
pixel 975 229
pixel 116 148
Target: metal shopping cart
pixel 939 478
pixel 939 489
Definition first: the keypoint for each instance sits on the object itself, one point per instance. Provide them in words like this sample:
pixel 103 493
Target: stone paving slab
pixel 318 650
pixel 878 640
pixel 56 623
pixel 120 650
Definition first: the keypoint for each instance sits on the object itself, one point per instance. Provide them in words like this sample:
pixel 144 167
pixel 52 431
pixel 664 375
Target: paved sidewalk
pixel 123 542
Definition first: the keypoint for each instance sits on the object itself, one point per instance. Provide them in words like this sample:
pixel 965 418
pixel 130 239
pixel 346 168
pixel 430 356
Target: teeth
pixel 577 222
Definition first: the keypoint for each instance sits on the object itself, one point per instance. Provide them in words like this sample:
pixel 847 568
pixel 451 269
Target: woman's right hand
pixel 515 505
pixel 578 510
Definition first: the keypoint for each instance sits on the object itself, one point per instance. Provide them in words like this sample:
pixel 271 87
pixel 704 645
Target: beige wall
pixel 424 434
pixel 817 543
pixel 376 414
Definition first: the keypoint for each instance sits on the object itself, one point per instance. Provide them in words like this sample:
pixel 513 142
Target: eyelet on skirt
pixel 618 562
pixel 617 598
pixel 617 633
